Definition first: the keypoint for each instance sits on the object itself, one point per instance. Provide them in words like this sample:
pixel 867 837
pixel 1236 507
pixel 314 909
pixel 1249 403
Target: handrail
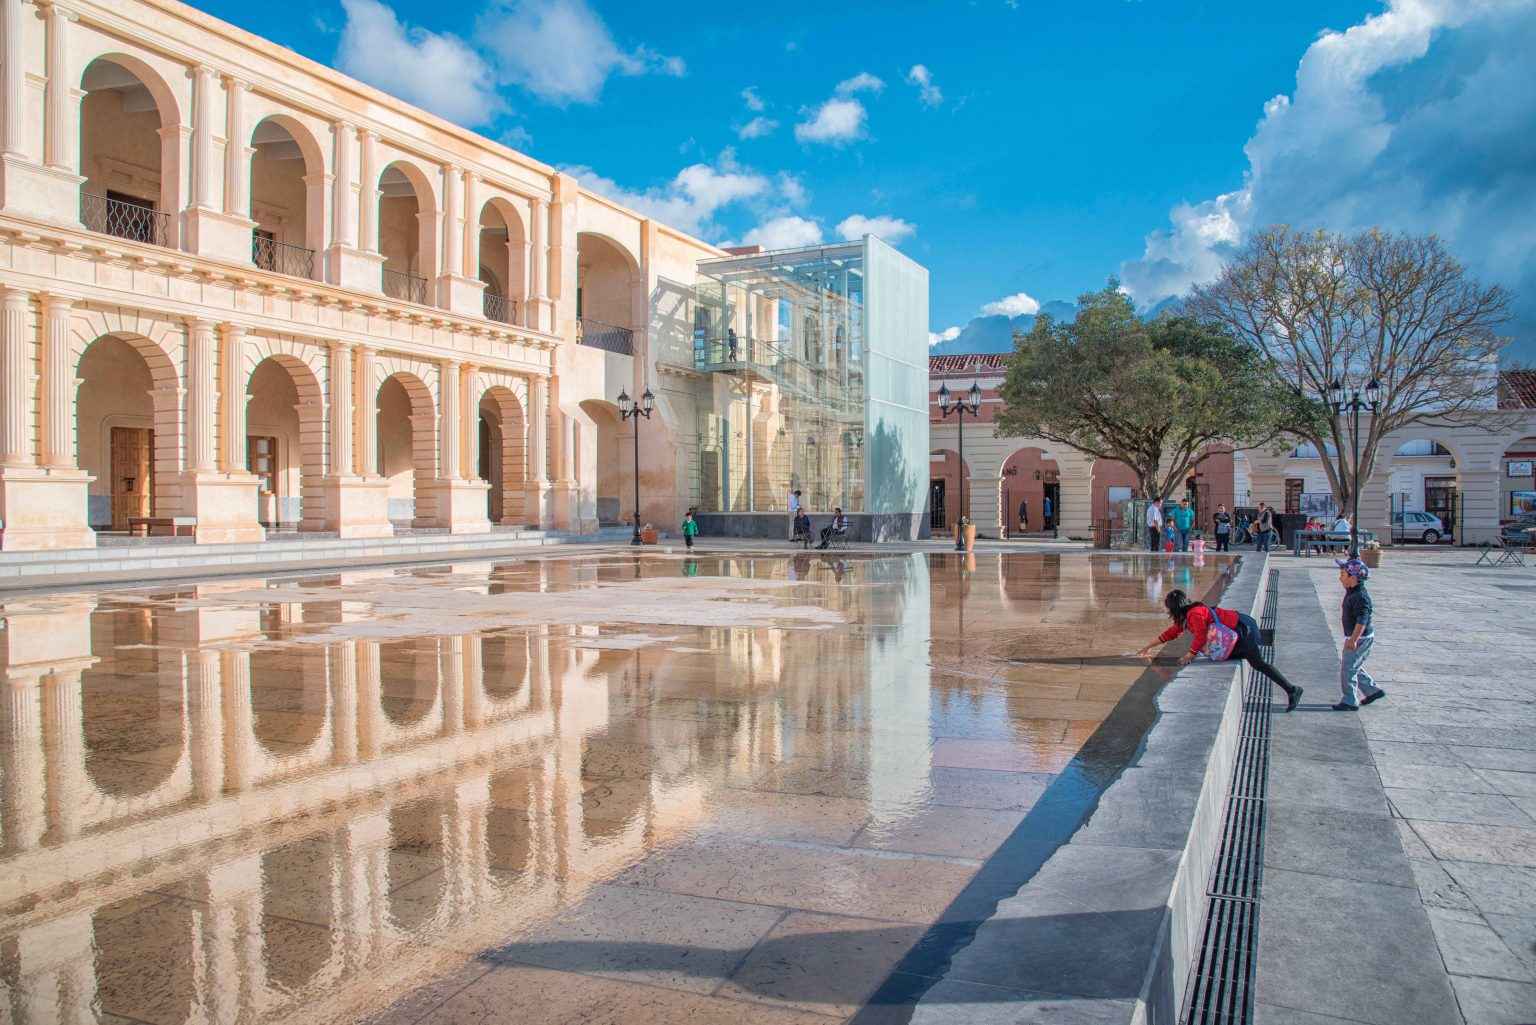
pixel 500 308
pixel 609 337
pixel 136 222
pixel 282 257
pixel 411 288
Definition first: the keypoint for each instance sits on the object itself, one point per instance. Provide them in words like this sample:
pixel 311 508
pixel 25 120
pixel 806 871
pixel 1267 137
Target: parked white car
pixel 1417 526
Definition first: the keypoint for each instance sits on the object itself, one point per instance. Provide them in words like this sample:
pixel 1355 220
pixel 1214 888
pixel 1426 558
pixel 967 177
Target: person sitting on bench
pixel 802 528
pixel 837 528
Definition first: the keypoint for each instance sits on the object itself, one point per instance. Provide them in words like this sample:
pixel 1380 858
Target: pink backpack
pixel 1220 639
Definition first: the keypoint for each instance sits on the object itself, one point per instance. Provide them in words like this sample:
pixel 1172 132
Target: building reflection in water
pixel 217 806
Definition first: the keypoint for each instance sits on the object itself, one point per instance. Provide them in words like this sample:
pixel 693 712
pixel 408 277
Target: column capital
pixel 231 329
pixel 203 71
pixel 232 82
pixel 450 364
pixel 55 301
pixel 54 9
pixel 193 322
pixel 366 133
pixel 341 345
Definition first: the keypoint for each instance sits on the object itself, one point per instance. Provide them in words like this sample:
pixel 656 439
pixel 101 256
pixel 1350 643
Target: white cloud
pixel 757 128
pixel 561 51
pixel 949 334
pixel 929 93
pixel 788 232
pixel 891 229
pixel 1416 119
pixel 862 82
pixel 440 73
pixel 753 101
pixel 691 199
pixel 838 122
pixel 793 189
pixel 1015 305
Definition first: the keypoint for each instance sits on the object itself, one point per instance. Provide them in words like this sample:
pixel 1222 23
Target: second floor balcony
pixel 281 257
pixel 609 337
pixel 125 217
pixel 407 287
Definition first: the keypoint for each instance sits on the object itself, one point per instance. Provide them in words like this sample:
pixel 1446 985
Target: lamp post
pixel 1341 399
pixel 630 408
pixel 968 405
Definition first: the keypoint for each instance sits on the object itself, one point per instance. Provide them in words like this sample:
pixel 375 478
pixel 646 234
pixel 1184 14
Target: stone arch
pixel 302 449
pixel 129 384
pixel 503 453
pixel 1431 481
pixel 609 290
pixel 614 466
pixel 1029 474
pixel 408 222
pixel 291 208
pixel 407 452
pixel 1111 478
pixel 132 165
pixel 501 255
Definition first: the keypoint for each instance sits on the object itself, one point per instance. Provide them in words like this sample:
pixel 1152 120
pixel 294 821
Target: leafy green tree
pixel 1151 395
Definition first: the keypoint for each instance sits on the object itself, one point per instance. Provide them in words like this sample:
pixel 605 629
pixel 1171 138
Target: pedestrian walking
pixel 1266 528
pixel 1184 522
pixel 1023 515
pixel 1049 513
pixel 1358 686
pixel 794 512
pixel 1223 529
pixel 690 530
pixel 1154 526
pixel 1222 635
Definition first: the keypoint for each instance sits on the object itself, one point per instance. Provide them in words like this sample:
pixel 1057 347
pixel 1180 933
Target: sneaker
pixel 1374 697
pixel 1292 699
pixel 1342 707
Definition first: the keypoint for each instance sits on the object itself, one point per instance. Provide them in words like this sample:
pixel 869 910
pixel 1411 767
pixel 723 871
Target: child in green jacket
pixel 690 529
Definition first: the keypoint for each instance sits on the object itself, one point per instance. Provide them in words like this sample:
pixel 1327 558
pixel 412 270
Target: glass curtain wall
pixel 782 337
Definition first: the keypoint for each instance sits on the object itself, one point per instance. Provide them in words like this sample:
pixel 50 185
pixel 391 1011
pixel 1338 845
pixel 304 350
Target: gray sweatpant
pixel 1354 681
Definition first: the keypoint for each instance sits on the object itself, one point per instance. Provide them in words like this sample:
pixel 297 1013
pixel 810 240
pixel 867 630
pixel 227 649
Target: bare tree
pixel 1325 309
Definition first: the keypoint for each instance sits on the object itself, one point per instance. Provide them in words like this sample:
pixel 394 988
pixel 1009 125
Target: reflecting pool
pixel 607 787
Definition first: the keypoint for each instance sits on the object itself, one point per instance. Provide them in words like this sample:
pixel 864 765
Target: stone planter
pixel 648 536
pixel 1371 557
pixel 968 531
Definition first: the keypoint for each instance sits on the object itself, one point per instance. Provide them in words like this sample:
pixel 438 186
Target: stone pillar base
pixel 224 505
pixel 461 295
pixel 358 506
pixel 354 269
pixel 33 190
pixel 461 506
pixel 44 509
pixel 218 234
pixel 564 513
pixel 536 505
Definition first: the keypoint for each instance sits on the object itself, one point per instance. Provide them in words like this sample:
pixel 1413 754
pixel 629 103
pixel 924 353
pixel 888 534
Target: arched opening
pixel 409 677
pixel 609 294
pixel 287 198
pixel 128 152
pixel 294 700
pixel 1517 485
pixel 1029 494
pixel 127 431
pixel 503 261
pixel 1424 495
pixel 285 431
pixel 407 438
pixel 133 726
pixel 944 473
pixel 1114 485
pixel 503 454
pixel 407 233
pixel 615 463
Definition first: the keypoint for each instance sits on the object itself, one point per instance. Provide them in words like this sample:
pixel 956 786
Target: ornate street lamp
pixel 968 405
pixel 629 408
pixel 1341 399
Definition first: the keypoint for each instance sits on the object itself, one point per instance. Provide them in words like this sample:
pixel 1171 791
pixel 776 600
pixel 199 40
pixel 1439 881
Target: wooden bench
pixel 162 526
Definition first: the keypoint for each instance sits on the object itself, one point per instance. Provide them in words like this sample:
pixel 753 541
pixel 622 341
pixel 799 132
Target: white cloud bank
pixel 891 229
pixel 929 93
pixel 1015 305
pixel 860 83
pixel 561 51
pixel 787 232
pixel 949 334
pixel 1417 119
pixel 437 72
pixel 837 122
pixel 691 198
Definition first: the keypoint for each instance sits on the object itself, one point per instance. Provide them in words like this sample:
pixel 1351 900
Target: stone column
pixel 538 430
pixel 471 240
pixel 202 137
pixel 368 193
pixel 343 214
pixel 470 403
pixel 12 78
pixel 237 151
pixel 23 818
pixel 58 391
pixel 450 671
pixel 1481 497
pixel 474 681
pixel 238 720
pixel 449 428
pixel 60 127
pixel 206 717
pixel 202 368
pixel 344 703
pixel 370 713
pixel 538 265
pixel 340 396
pixel 367 454
pixel 16 374
pixel 232 399
pixel 64 744
pixel 453 213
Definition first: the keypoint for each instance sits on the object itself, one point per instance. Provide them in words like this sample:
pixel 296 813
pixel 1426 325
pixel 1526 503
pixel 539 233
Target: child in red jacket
pixel 1199 619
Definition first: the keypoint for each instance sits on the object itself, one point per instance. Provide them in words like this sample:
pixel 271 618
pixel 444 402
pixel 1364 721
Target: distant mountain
pixel 995 333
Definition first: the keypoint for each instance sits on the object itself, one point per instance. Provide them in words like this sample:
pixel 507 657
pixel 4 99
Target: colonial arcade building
pixel 241 292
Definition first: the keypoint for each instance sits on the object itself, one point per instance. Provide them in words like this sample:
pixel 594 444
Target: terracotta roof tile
pixel 966 362
pixel 1517 389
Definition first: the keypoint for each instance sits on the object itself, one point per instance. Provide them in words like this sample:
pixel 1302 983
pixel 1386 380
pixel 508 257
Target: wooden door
pixel 132 475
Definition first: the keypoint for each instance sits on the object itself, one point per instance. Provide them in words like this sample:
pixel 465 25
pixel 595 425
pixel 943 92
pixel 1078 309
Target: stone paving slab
pixel 1425 795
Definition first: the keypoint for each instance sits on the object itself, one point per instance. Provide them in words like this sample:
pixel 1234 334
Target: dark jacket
pixel 1223 523
pixel 1357 611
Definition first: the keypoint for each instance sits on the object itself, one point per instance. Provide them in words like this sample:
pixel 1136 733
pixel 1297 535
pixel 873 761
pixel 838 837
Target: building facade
pixel 241 292
pixel 1473 476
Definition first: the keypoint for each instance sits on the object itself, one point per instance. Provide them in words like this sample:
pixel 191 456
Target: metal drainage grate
pixel 1221 989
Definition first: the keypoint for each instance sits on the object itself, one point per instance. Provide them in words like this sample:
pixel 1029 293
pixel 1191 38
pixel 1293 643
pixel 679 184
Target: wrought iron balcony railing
pixel 136 222
pixel 501 308
pixel 282 257
pixel 409 287
pixel 605 336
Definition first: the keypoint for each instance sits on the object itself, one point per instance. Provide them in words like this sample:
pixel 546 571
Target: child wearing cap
pixel 1358 686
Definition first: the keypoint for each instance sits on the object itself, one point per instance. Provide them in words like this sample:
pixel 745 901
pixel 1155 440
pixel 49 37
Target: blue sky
pixel 1024 151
